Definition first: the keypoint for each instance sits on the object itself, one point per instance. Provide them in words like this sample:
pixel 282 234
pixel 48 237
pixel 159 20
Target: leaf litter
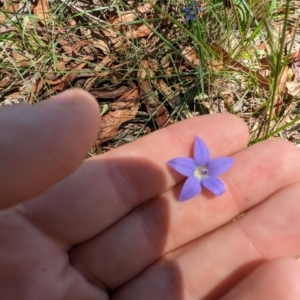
pixel 95 48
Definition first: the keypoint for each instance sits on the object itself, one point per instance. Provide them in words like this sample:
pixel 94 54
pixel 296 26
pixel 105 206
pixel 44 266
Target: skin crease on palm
pixel 111 227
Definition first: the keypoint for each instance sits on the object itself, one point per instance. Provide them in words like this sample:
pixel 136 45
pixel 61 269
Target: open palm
pixel 111 227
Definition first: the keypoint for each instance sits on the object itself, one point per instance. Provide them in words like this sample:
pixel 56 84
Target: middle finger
pixel 164 224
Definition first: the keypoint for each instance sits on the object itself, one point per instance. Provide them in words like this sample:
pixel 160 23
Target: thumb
pixel 42 144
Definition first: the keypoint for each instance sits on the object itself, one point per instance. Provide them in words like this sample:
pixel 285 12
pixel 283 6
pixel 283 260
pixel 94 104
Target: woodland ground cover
pixel 152 63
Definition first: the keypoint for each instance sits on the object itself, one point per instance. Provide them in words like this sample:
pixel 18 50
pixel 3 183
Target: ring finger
pixel 210 266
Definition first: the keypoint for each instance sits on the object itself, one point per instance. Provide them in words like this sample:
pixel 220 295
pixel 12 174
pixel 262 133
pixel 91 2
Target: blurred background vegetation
pixel 152 63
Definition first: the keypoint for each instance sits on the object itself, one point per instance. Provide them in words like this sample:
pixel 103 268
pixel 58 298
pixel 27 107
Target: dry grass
pixel 148 67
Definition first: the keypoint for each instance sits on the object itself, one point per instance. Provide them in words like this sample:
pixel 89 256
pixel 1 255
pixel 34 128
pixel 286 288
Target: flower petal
pixel 201 152
pixel 183 165
pixel 218 166
pixel 196 7
pixel 193 16
pixel 190 188
pixel 215 185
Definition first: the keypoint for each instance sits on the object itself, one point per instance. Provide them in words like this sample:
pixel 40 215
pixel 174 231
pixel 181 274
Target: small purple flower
pixel 192 12
pixel 201 171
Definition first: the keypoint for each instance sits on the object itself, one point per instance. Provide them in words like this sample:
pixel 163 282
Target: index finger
pixel 107 187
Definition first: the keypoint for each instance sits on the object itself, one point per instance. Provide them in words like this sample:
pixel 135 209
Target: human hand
pixel 111 227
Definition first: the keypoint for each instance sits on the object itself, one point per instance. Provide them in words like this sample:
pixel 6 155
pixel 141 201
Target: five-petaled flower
pixel 192 12
pixel 201 171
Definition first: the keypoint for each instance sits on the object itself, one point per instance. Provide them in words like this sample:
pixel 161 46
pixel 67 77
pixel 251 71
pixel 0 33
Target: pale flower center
pixel 201 172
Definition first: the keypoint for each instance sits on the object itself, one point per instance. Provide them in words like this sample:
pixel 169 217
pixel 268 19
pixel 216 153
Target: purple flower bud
pixel 192 12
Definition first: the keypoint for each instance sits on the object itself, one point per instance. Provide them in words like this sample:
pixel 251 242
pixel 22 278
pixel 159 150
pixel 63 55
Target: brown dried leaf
pixel 154 106
pixel 100 44
pixel 104 62
pixel 294 61
pixel 216 66
pixel 123 19
pixel 112 121
pixel 234 65
pixel 129 16
pixel 59 87
pixel 293 88
pixel 294 56
pixel 281 87
pixel 110 94
pixel 110 33
pixel 42 10
pixel 127 100
pixel 190 53
pixel 145 8
pixel 53 75
pixel 18 56
pixel 78 45
pixel 5 82
pixel 66 47
pixel 142 31
pixel 228 97
pixel 37 86
pixel 21 60
pixel 15 96
pixel 9 7
pixel 127 106
pixel 66 79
